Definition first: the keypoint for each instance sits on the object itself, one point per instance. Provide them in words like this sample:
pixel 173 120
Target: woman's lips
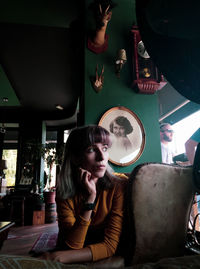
pixel 100 167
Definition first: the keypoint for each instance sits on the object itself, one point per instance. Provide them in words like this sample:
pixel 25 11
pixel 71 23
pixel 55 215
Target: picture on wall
pixel 127 134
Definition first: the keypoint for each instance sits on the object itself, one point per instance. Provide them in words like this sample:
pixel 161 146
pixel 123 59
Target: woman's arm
pixel 69 256
pixel 72 226
pixel 113 228
pixel 73 219
pixel 101 250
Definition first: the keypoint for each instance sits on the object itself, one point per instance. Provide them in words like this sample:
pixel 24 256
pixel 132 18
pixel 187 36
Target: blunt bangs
pixel 83 137
pixel 97 134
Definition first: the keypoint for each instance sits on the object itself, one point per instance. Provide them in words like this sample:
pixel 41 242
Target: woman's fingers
pixel 84 174
pixel 55 256
pixel 85 177
pixel 88 182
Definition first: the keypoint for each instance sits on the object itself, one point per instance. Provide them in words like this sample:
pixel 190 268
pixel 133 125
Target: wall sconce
pixel 120 61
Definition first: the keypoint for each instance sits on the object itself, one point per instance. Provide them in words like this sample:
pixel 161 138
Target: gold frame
pixel 129 151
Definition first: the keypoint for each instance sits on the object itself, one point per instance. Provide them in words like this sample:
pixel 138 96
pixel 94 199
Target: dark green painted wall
pixel 118 92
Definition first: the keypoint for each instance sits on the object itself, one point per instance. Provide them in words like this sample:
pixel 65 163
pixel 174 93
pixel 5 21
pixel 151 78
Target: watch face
pixel 142 51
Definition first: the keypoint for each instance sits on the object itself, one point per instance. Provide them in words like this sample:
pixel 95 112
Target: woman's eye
pixel 105 148
pixel 90 150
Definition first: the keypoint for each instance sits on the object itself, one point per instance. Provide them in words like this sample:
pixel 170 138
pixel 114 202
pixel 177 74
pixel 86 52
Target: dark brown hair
pixel 124 122
pixel 79 139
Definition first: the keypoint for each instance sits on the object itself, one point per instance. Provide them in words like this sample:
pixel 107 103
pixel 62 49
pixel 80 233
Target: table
pixel 4 229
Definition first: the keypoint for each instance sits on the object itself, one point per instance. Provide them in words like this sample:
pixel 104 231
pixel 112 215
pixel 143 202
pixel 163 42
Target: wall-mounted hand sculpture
pixel 102 10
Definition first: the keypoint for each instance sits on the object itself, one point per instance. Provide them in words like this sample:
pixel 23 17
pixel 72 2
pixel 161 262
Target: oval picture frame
pixel 127 134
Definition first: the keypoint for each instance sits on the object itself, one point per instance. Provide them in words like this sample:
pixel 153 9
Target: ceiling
pixel 40 59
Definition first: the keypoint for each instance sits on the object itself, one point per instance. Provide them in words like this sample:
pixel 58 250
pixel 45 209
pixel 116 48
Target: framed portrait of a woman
pixel 127 134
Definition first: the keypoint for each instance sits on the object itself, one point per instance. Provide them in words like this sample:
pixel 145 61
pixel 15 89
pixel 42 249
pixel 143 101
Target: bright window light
pixel 184 130
pixel 66 134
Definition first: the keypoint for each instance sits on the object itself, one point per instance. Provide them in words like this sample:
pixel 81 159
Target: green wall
pixel 118 91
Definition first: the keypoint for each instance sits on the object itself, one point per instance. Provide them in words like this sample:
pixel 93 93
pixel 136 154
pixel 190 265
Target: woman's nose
pixel 100 155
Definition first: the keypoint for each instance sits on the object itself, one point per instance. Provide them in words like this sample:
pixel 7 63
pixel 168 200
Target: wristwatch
pixel 89 206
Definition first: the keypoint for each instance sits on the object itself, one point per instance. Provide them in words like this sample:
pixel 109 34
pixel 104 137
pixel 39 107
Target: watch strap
pixel 89 206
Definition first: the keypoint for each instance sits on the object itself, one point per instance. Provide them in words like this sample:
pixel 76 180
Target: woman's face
pixel 95 159
pixel 118 130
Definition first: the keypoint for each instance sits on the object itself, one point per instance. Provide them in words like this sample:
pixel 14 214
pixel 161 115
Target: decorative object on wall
pixel 173 41
pixel 97 81
pixel 147 78
pixel 102 10
pixel 127 134
pixel 120 61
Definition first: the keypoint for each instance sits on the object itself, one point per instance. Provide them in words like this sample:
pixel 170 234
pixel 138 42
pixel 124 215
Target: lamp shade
pixel 3 164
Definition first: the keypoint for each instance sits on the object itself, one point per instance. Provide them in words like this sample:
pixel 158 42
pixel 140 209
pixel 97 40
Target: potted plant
pixel 51 157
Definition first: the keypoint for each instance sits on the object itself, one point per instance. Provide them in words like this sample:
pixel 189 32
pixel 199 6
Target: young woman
pixel 89 199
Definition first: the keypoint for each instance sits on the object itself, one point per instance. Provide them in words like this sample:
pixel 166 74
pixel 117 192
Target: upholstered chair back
pixel 160 197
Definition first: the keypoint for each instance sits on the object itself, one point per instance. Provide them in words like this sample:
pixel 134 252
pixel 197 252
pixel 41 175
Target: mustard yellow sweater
pixel 102 232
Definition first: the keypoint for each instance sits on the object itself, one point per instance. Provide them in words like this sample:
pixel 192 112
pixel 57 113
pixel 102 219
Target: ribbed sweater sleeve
pixel 108 214
pixel 73 229
pixel 113 228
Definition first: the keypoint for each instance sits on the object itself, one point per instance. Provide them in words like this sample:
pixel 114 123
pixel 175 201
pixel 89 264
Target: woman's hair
pixel 122 121
pixel 78 141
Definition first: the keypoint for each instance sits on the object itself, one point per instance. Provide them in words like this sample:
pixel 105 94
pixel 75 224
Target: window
pixel 10 144
pixel 10 155
pixel 184 129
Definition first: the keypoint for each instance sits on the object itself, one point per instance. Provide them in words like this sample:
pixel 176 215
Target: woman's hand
pixel 56 256
pixel 68 256
pixel 89 184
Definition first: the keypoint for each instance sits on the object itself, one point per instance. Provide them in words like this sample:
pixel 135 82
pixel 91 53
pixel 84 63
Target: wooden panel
pixel 38 217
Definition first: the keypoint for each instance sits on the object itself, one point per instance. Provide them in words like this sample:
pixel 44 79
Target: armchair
pixel 160 197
